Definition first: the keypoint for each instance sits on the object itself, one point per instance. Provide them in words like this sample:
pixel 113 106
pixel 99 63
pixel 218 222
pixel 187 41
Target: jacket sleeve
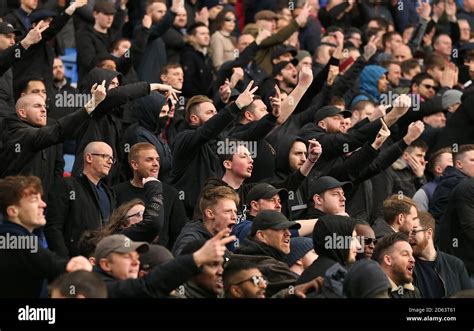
pixel 333 144
pixel 120 96
pixel 191 141
pixel 115 30
pixel 280 36
pixel 46 264
pixel 56 25
pixel 384 160
pixel 152 222
pixel 177 220
pixel 258 130
pixel 9 56
pixel 354 164
pixel 58 210
pixel 86 52
pixel 66 128
pixel 292 182
pixel 158 29
pixel 158 283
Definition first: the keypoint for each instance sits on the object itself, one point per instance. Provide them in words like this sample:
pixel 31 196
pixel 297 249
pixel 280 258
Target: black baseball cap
pixel 279 51
pixel 271 219
pixel 277 68
pixel 105 7
pixel 325 183
pixel 7 28
pixel 265 191
pixel 41 14
pixel 328 111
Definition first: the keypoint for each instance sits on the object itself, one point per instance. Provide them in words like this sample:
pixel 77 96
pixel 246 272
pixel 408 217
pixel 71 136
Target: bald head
pixel 31 108
pixel 402 53
pixel 98 160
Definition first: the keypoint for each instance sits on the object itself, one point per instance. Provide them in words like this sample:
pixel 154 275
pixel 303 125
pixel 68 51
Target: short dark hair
pixel 382 22
pixel 388 36
pixel 89 284
pixel 170 66
pixel 15 188
pixel 462 150
pixel 418 143
pixel 386 243
pixel 409 65
pixel 436 156
pixel 192 29
pixel 232 268
pixel 420 78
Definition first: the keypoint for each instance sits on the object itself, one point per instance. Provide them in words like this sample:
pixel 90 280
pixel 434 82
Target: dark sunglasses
pixel 428 86
pixel 369 241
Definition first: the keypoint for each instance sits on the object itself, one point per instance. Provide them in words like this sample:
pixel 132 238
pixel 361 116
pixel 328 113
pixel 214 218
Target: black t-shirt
pixel 429 282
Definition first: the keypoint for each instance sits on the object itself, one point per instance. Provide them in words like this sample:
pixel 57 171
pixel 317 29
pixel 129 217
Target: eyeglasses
pixel 139 214
pixel 369 241
pixel 428 86
pixel 106 157
pixel 414 232
pixel 256 280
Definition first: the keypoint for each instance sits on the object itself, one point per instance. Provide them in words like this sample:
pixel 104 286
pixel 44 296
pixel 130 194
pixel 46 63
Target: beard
pixel 400 276
pixel 420 247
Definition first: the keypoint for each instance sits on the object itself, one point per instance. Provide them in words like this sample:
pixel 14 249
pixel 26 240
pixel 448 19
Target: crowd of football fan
pixel 237 148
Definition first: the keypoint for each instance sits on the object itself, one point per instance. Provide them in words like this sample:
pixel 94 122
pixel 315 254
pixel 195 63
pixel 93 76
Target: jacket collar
pixel 9 227
pixel 395 288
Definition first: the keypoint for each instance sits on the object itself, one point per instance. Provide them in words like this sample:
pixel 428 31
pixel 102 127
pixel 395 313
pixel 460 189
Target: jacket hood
pixel 330 233
pixel 97 75
pixel 451 173
pixel 251 246
pixel 369 79
pixel 147 111
pixel 282 161
pixel 196 226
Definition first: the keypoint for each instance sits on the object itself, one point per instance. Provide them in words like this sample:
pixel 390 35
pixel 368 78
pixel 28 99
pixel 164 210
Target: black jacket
pixel 272 263
pixel 152 224
pixel 15 18
pixel 439 201
pixel 192 231
pixel 147 129
pixel 458 128
pixel 197 69
pixel 382 228
pixel 456 230
pixel 174 41
pixel 195 157
pixel 329 253
pixel 91 44
pixel 106 124
pixel 451 271
pixel 73 208
pixel 23 272
pixel 158 283
pixel 8 57
pixel 38 59
pixel 174 217
pixel 37 151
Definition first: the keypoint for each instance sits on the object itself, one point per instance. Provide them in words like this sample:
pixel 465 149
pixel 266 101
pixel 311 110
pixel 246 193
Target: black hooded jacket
pixel 106 124
pixel 330 230
pixel 29 150
pixel 297 202
pixel 271 262
pixel 195 157
pixel 147 128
